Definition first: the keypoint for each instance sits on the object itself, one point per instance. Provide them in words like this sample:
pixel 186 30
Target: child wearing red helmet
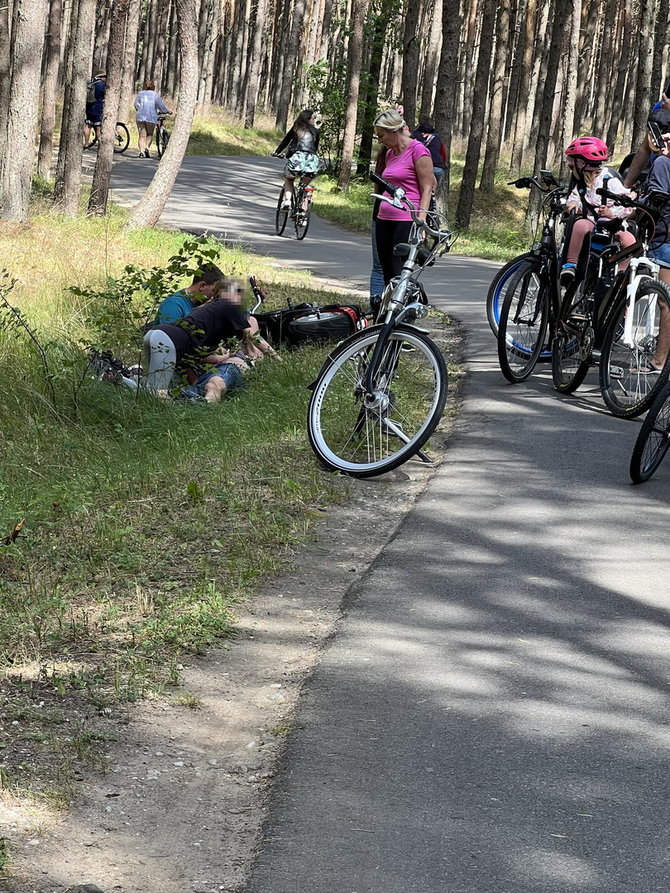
pixel 586 156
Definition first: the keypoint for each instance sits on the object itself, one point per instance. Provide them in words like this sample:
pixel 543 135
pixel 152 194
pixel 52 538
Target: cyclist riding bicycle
pixel 586 157
pixel 301 144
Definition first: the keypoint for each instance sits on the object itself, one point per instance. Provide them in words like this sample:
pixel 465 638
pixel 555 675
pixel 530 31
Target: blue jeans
pixel 229 372
pixel 377 274
pixel 661 254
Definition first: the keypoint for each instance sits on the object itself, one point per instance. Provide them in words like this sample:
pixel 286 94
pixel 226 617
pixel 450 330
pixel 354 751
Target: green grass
pixel 146 523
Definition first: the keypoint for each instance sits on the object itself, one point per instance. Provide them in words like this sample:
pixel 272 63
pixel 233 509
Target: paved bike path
pixel 492 714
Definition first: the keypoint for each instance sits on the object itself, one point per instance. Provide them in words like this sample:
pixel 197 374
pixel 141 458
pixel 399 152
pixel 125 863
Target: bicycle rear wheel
pixel 626 382
pixel 523 323
pixel 162 142
pixel 365 437
pixel 301 219
pixel 653 440
pixel 282 214
pixel 571 347
pixel 121 138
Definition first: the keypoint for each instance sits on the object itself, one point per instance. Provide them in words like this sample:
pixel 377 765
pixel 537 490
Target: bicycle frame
pixel 632 334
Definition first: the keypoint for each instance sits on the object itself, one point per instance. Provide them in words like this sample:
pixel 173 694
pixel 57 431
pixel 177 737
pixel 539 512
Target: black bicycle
pixel 532 291
pixel 381 392
pixel 653 440
pixel 299 212
pixel 611 317
pixel 121 138
pixel 162 135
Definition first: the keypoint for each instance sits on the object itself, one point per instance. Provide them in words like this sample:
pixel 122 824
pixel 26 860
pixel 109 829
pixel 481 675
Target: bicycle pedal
pixel 617 372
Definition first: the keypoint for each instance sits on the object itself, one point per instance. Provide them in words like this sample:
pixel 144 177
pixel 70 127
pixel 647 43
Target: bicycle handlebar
pixel 400 200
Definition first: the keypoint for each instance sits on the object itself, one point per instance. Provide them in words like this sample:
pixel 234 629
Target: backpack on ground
pixel 304 323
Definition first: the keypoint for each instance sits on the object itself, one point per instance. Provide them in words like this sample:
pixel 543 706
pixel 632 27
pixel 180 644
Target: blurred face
pixel 233 292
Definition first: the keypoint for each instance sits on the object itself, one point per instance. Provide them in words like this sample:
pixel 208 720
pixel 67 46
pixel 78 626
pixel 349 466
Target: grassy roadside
pixel 145 523
pixel 496 231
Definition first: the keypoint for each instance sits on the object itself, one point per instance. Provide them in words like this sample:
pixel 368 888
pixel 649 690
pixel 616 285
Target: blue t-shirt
pixel 95 109
pixel 174 308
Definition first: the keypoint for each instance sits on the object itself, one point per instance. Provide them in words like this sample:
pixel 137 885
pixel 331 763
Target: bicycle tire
pixel 653 439
pixel 524 318
pixel 411 382
pixel 121 138
pixel 568 365
pixel 282 215
pixel 626 390
pixel 162 142
pixel 497 289
pixel 301 221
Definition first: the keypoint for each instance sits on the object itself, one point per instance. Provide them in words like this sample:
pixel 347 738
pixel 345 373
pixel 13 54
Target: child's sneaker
pixel 568 273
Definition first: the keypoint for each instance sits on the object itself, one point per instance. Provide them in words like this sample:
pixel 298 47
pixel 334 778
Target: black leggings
pixel 389 234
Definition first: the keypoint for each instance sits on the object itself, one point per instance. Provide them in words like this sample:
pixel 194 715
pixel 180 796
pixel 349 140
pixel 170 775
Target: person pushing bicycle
pixel 301 144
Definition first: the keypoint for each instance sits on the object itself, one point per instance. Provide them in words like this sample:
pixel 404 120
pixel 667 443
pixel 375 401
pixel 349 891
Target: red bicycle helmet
pixel 588 148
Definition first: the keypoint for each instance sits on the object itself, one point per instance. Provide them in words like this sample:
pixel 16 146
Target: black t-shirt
pixel 203 329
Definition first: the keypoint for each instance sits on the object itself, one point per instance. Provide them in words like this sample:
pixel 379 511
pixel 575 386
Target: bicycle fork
pixel 634 334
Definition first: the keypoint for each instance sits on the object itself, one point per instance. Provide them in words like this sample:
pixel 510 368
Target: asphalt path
pixel 492 713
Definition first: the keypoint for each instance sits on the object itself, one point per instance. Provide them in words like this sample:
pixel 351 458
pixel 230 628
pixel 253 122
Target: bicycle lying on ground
pixel 121 138
pixel 381 392
pixel 532 291
pixel 611 317
pixel 299 212
pixel 653 440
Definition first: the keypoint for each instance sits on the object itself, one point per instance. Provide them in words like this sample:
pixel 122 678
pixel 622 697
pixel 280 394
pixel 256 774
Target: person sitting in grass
pixel 191 346
pixel 207 282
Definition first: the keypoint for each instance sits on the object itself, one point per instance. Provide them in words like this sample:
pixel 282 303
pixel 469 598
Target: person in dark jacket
pixel 94 110
pixel 301 144
pixel 425 133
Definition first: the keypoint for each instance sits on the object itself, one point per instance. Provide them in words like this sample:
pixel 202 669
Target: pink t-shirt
pixel 400 171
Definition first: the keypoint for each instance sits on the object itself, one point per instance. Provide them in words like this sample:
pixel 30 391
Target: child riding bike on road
pixel 301 144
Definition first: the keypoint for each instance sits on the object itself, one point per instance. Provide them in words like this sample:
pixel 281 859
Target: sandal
pixel 645 369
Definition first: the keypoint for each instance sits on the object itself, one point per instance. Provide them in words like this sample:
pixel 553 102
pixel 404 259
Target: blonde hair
pixel 390 120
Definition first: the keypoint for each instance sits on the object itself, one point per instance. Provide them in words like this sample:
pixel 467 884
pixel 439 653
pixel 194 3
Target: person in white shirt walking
pixel 148 105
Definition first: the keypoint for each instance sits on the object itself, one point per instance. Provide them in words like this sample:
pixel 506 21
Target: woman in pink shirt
pixel 408 164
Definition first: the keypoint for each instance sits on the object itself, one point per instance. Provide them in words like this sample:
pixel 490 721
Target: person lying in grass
pixel 191 346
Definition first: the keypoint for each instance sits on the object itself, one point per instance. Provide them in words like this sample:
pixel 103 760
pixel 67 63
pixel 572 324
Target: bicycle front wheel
pixel 367 434
pixel 653 440
pixel 523 323
pixel 282 214
pixel 162 142
pixel 301 221
pixel 121 138
pixel 628 381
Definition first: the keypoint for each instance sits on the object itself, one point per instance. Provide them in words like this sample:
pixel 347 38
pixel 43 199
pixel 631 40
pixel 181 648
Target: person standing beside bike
pixel 407 164
pixel 301 144
pixel 148 105
pixel 95 105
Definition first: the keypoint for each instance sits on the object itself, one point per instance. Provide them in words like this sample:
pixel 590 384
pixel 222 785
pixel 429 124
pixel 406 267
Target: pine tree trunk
pixel 525 76
pixel 101 40
pixel 571 76
pixel 153 202
pixel 128 82
pixel 5 69
pixel 355 58
pixel 539 78
pixel 660 43
pixel 496 89
pixel 255 62
pixel 378 32
pixel 445 91
pixel 624 59
pixel 410 61
pixel 26 63
pixel 49 87
pixel 643 85
pixel 97 204
pixel 284 100
pixel 465 199
pixel 432 62
pixel 68 171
